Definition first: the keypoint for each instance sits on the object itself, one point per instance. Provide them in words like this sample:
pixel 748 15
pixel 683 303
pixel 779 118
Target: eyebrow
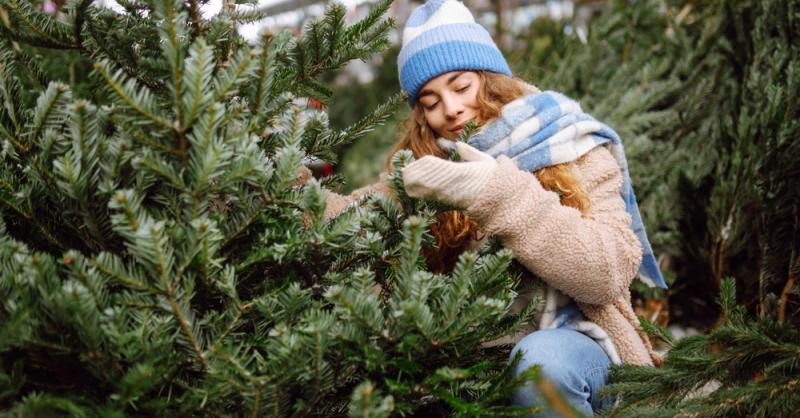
pixel 449 80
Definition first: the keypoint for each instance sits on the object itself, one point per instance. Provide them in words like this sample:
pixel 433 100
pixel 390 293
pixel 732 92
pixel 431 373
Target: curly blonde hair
pixel 454 230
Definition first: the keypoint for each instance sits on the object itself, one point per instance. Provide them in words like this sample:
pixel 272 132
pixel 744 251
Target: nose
pixel 452 107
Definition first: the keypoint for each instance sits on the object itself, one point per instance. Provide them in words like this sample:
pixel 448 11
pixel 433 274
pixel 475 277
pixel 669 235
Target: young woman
pixel 547 179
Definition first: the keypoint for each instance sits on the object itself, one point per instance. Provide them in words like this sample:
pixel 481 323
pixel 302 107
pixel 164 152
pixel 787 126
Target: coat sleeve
pixel 591 257
pixel 336 203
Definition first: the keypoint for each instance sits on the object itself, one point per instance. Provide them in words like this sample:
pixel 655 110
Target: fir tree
pixel 744 368
pixel 157 256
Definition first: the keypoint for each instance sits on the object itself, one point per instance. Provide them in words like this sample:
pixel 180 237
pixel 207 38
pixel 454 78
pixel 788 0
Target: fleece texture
pixel 542 129
pixel 591 258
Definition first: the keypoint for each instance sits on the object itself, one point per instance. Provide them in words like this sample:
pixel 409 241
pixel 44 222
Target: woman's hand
pixel 457 184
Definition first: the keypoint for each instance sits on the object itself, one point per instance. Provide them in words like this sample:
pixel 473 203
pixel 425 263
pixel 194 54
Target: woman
pixel 552 185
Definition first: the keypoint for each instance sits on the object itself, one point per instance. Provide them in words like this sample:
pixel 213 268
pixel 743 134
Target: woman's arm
pixel 591 258
pixel 336 203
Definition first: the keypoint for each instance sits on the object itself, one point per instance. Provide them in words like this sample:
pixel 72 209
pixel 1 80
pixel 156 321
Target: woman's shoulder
pixel 596 166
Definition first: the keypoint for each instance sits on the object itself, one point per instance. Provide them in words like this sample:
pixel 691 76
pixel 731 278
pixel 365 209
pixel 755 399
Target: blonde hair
pixel 454 230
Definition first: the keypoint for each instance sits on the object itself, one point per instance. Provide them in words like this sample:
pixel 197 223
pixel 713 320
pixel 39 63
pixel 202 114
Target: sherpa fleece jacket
pixel 592 258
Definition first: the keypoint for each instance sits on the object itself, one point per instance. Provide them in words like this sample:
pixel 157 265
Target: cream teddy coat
pixel 592 258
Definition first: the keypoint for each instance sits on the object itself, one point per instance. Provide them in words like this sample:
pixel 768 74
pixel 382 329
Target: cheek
pixel 473 100
pixel 433 118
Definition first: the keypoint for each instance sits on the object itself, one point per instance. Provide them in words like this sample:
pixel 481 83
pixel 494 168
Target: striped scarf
pixel 548 128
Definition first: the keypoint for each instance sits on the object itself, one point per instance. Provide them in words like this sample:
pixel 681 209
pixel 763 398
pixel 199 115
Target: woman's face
pixel 449 101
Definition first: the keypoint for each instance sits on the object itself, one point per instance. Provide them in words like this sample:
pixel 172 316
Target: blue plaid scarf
pixel 548 128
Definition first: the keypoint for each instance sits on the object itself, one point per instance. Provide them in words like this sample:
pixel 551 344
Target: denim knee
pixel 556 351
pixel 573 362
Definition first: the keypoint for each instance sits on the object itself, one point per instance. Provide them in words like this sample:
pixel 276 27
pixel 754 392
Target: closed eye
pixel 431 106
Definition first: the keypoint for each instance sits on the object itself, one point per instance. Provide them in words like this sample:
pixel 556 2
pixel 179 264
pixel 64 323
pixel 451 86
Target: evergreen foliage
pixel 362 161
pixel 159 258
pixel 743 368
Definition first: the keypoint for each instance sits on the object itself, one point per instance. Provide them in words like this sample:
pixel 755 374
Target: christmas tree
pixel 161 256
pixel 745 367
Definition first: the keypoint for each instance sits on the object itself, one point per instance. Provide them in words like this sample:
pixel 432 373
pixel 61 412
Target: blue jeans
pixel 573 362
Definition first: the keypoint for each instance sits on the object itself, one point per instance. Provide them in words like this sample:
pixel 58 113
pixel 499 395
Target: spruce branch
pixel 315 42
pixel 197 77
pixel 252 169
pixel 240 312
pixel 113 267
pixel 18 61
pixel 243 15
pixel 104 50
pixel 208 157
pixel 182 317
pixel 134 132
pixel 11 138
pixel 264 72
pixel 48 32
pixel 76 269
pixel 172 33
pixel 656 330
pixel 330 139
pixel 359 304
pixel 236 70
pixel 238 223
pixel 128 94
pixel 456 294
pixel 150 162
pixel 48 112
pixel 10 91
pixel 376 12
pixel 366 401
pixel 202 251
pixel 78 170
pixel 337 51
pixel 78 16
pixel 395 179
pixel 28 216
pixel 34 40
pixel 289 156
pixel 72 182
pixel 333 20
pixel 410 251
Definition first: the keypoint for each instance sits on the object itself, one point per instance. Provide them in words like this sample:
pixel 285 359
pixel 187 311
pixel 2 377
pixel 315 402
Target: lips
pixel 457 128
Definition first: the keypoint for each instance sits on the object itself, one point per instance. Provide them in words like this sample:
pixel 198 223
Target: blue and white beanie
pixel 442 36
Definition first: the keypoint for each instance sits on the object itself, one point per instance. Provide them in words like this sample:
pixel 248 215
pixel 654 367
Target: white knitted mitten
pixel 456 183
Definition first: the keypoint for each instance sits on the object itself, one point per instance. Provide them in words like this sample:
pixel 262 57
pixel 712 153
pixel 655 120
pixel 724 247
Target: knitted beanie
pixel 442 36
